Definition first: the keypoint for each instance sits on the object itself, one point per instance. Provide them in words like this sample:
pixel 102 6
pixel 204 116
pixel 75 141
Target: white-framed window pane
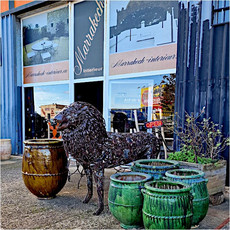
pixel 227 16
pixel 215 4
pixel 220 17
pixel 42 103
pixel 221 4
pixel 215 19
pixel 140 100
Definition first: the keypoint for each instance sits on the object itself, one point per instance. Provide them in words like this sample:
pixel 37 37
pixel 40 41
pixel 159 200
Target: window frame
pixel 215 10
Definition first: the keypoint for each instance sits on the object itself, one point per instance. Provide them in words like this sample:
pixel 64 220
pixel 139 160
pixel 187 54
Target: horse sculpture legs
pixel 98 172
pixel 88 173
pixel 148 152
pixel 99 180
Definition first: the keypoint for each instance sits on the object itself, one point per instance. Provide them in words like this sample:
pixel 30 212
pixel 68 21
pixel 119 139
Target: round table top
pixel 39 46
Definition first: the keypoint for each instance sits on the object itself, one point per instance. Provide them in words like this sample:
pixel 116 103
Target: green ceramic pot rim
pixel 196 174
pixel 116 175
pixel 141 163
pixel 184 187
pixel 43 142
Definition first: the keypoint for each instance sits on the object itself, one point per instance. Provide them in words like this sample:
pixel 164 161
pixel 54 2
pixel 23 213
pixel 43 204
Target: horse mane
pixel 86 127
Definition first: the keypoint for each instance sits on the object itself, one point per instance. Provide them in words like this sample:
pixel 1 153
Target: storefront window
pixel 136 101
pixel 42 103
pixel 221 11
pixel 46 47
pixel 143 36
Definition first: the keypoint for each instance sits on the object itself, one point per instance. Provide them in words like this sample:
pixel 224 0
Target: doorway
pixel 91 92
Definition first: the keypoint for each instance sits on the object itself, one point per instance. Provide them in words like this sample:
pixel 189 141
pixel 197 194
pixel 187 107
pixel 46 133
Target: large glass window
pixel 136 101
pixel 221 11
pixel 143 36
pixel 46 46
pixel 42 103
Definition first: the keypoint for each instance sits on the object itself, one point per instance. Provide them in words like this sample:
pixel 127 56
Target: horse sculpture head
pixel 80 114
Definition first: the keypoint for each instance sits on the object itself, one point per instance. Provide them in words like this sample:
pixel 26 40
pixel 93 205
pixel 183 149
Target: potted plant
pixel 201 142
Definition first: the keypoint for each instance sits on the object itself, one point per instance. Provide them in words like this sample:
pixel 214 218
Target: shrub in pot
pixel 201 142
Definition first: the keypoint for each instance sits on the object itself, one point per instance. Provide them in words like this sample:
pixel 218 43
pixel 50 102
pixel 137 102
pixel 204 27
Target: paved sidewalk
pixel 22 210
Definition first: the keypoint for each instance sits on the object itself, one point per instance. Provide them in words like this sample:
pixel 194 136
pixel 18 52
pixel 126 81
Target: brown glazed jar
pixel 44 167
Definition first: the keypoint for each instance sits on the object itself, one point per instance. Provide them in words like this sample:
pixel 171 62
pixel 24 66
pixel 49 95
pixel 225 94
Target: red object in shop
pixel 54 131
pixel 153 124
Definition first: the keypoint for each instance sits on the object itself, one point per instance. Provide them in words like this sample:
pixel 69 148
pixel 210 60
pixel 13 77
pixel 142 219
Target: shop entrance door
pixel 91 92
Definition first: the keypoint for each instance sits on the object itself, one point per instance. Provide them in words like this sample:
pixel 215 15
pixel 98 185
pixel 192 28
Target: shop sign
pixel 47 72
pixel 153 124
pixel 152 59
pixel 143 36
pixel 88 39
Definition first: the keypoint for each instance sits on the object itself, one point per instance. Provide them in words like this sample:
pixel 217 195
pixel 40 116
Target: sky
pixel 40 19
pixel 116 5
pixel 45 95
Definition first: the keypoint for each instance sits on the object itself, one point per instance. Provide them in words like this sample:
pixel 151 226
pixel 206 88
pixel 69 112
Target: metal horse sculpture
pixel 86 139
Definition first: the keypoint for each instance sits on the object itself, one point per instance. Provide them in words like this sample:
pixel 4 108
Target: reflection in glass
pixel 221 4
pixel 220 16
pixel 215 3
pixel 138 100
pixel 227 12
pixel 215 19
pixel 42 103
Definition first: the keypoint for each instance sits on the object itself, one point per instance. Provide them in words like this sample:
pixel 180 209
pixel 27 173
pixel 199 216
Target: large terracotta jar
pixel 44 167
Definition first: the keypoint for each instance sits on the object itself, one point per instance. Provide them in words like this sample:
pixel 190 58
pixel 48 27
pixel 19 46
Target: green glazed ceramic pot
pixel 125 198
pixel 154 167
pixel 167 205
pixel 196 179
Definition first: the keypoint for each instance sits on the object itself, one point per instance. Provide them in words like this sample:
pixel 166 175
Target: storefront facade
pixel 124 57
pixel 114 55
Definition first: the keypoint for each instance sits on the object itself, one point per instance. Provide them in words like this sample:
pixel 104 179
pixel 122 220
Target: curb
pixel 13 159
